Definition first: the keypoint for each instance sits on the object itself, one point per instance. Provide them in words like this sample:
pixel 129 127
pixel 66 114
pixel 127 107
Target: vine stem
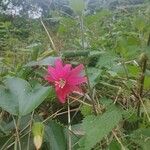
pixel 69 127
pixel 17 132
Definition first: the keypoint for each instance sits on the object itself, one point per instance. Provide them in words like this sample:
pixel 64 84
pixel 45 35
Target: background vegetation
pixel 112 40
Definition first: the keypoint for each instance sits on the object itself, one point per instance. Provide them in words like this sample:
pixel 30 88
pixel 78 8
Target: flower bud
pixel 38 131
pixel 38 141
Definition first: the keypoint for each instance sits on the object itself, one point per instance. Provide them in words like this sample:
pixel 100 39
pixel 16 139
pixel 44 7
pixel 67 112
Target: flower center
pixel 61 83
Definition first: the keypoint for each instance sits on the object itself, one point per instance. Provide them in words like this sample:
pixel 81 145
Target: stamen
pixel 61 83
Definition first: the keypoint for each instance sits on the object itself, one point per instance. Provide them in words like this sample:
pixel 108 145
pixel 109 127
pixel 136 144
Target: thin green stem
pixel 28 144
pixel 17 131
pixel 69 127
pixel 82 31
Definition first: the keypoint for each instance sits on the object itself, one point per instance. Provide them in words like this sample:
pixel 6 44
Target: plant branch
pixel 141 81
pixel 50 38
pixel 119 141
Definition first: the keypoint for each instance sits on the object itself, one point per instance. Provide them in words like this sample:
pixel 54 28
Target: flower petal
pixel 58 64
pixel 49 78
pixel 66 71
pixel 77 70
pixel 62 93
pixel 52 72
pixel 72 78
pixel 61 96
pixel 76 80
pixel 78 90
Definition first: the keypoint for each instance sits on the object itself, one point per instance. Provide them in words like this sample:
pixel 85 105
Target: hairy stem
pixel 141 80
pixel 82 31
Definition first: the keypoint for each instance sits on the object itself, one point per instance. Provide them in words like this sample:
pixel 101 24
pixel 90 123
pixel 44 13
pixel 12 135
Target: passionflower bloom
pixel 65 79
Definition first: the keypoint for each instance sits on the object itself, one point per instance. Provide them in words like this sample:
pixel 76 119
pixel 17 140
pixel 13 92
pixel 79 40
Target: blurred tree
pixel 37 8
pixel 33 8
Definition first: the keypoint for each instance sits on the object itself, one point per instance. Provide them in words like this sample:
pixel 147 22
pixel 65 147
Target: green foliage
pixel 114 41
pixel 19 98
pixel 55 137
pixel 147 82
pixel 141 138
pixel 93 74
pixel 44 62
pixel 114 145
pixel 98 127
pixel 86 110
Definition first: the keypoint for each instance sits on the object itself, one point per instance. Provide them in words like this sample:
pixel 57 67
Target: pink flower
pixel 65 79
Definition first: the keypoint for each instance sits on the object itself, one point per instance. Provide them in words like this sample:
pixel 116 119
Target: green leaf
pixel 140 22
pixel 107 59
pixel 55 137
pixel 93 74
pixel 114 145
pixel 147 82
pixel 86 110
pixel 97 127
pixel 106 102
pixel 133 70
pixel 141 137
pixel 44 62
pixel 19 98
